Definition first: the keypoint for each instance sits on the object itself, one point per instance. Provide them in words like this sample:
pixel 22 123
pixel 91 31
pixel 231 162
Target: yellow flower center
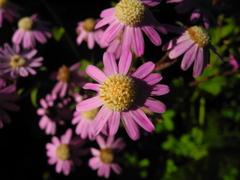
pixel 199 36
pixel 63 152
pixel 88 24
pixel 106 155
pixel 17 61
pixel 130 12
pixel 91 114
pixel 3 3
pixel 118 92
pixel 25 23
pixel 64 74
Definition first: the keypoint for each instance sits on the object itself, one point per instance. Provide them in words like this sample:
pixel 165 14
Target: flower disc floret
pixel 26 23
pixel 17 61
pixel 88 24
pixel 64 74
pixel 91 114
pixel 118 92
pixel 199 36
pixel 3 3
pixel 130 12
pixel 63 152
pixel 106 155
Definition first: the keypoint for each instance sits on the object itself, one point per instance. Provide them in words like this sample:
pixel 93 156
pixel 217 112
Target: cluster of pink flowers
pixel 121 91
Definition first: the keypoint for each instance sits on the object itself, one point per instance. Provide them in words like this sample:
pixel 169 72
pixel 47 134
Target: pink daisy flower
pixel 194 43
pixel 103 159
pixel 65 152
pixel 121 95
pixel 131 17
pixel 233 62
pixel 29 30
pixel 68 77
pixel 116 46
pixel 86 32
pixel 84 121
pixel 18 63
pixel 201 9
pixel 53 112
pixel 8 10
pixel 7 97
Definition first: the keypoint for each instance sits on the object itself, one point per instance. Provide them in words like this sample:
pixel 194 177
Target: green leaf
pixel 58 32
pixel 144 163
pixel 34 97
pixel 84 64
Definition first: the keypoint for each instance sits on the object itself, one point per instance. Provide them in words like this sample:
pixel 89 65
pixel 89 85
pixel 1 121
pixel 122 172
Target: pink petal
pixel 18 36
pixel 151 2
pixel 113 123
pixel 159 89
pixel 152 35
pixel 104 21
pixel 95 152
pixel 110 65
pixel 138 41
pixel 199 63
pixel 130 126
pixel 94 163
pixel 143 70
pixel 107 12
pixel 112 31
pixel 189 57
pixel 65 138
pixel 59 166
pixel 127 38
pixel 180 48
pixel 154 105
pixel 101 142
pixel 89 104
pixel 140 117
pixel 100 120
pixel 92 86
pixel 153 78
pixel 124 62
pixel 90 40
pixel 66 167
pixel 96 73
pixel 116 168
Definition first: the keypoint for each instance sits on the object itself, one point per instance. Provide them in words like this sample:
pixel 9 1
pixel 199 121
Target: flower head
pixel 8 10
pixel 194 43
pixel 201 9
pixel 18 63
pixel 104 158
pixel 52 112
pixel 67 77
pixel 29 30
pixel 131 17
pixel 65 152
pixel 121 95
pixel 233 62
pixel 7 98
pixel 86 32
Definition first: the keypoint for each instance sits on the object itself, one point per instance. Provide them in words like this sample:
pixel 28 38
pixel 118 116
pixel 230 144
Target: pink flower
pixel 201 9
pixel 67 79
pixel 86 32
pixel 18 63
pixel 116 46
pixel 131 17
pixel 233 61
pixel 29 30
pixel 52 113
pixel 8 10
pixel 194 43
pixel 103 159
pixel 7 97
pixel 84 121
pixel 65 152
pixel 121 95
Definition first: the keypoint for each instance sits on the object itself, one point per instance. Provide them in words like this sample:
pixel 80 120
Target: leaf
pixel 144 163
pixel 58 33
pixel 34 97
pixel 84 64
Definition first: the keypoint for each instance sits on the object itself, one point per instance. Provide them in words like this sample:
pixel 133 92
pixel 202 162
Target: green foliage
pixel 57 33
pixel 33 97
pixel 167 123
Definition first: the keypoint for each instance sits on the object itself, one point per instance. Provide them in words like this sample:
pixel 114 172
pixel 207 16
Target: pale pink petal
pixel 189 57
pixel 102 169
pixel 152 35
pixel 95 73
pixel 39 36
pixel 118 144
pixel 107 12
pixel 159 89
pixel 130 126
pixel 116 168
pixel 138 41
pixel 59 166
pixel 101 142
pixel 113 123
pixel 143 70
pixel 52 160
pixel 66 167
pixel 124 62
pixel 151 2
pixel 127 38
pixel 180 48
pixel 100 120
pixel 104 21
pixel 110 65
pixel 65 138
pixel 199 63
pixel 175 41
pixel 18 36
pixel 43 122
pixel 140 117
pixel 94 163
pixel 154 105
pixel 55 141
pixel 90 40
pixel 89 104
pixel 95 152
pixel 92 86
pixel 112 31
pixel 107 171
pixel 153 78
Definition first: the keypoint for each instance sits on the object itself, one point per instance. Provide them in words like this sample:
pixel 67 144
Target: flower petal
pixel 89 104
pixel 154 105
pixel 124 62
pixel 110 65
pixel 143 70
pixel 96 73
